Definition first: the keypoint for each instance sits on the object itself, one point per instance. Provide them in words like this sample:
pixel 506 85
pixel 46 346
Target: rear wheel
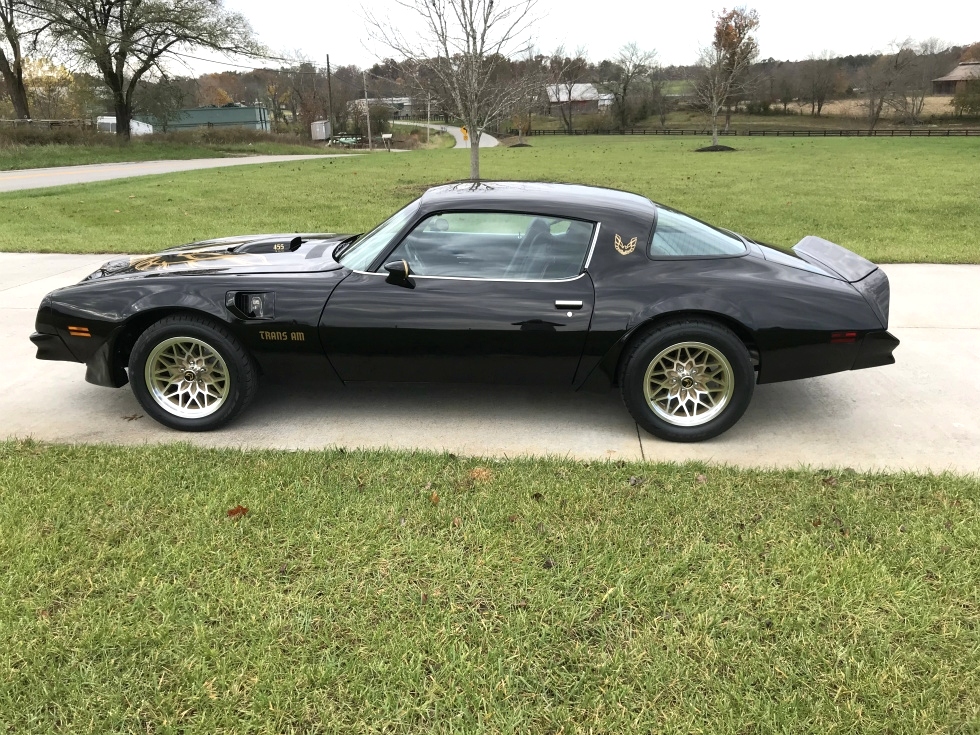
pixel 687 381
pixel 191 374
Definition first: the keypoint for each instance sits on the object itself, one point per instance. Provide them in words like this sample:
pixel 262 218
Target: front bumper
pixel 52 347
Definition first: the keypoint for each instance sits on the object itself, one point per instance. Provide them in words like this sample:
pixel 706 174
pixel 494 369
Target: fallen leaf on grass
pixel 830 481
pixel 457 522
pixel 637 481
pixel 434 498
pixel 481 474
pixel 701 479
pixel 817 522
pixel 513 518
pixel 237 512
pixel 133 417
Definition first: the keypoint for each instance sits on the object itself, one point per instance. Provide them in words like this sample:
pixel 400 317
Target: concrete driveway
pixel 922 413
pixel 37 178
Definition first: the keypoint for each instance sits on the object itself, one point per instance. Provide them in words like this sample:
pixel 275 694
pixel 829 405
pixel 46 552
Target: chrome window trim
pixel 595 239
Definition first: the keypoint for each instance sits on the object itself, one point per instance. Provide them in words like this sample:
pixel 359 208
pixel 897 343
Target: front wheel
pixel 687 381
pixel 191 374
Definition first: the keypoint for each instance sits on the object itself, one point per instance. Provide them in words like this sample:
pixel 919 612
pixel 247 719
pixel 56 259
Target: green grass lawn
pixel 903 200
pixel 17 157
pixel 396 593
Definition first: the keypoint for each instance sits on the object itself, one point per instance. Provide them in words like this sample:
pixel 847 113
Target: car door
pixel 489 297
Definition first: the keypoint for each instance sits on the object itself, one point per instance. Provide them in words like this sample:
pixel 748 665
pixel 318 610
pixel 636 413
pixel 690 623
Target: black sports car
pixel 503 282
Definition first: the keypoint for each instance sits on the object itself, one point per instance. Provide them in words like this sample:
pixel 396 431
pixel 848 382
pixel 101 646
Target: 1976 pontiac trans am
pixel 504 282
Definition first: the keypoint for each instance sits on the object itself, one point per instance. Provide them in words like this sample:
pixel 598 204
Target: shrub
pixel 966 102
pixel 24 135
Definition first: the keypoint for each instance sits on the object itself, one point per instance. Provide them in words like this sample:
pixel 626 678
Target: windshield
pixel 363 252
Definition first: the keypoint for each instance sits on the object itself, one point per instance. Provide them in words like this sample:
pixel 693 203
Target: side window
pixel 496 245
pixel 680 236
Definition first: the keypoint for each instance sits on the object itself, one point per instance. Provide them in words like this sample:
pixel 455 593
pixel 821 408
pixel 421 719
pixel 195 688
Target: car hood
pixel 282 253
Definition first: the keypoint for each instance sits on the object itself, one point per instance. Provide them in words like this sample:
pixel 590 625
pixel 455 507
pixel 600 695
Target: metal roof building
pixel 582 97
pixel 956 80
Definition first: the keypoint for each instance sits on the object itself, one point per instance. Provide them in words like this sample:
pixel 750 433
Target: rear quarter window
pixel 680 236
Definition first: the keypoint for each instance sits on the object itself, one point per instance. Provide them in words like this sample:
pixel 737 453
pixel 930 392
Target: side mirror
pixel 399 272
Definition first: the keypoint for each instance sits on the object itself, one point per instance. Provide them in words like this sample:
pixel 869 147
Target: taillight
pixel 843 338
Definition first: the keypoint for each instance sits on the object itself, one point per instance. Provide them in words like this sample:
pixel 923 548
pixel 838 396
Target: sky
pixel 676 30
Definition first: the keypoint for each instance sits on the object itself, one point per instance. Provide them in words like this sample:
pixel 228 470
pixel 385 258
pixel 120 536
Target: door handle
pixel 568 305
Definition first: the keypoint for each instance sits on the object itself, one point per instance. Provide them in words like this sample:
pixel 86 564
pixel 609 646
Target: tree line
pixel 475 62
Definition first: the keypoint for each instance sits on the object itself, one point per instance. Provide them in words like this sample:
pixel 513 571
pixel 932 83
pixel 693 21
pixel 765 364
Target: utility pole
pixel 329 98
pixel 367 111
pixel 428 115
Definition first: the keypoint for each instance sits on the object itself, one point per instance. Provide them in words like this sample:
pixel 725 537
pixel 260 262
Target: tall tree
pixel 15 28
pixel 631 66
pixel 724 64
pixel 126 40
pixel 882 81
pixel 463 55
pixel 926 60
pixel 564 72
pixel 818 81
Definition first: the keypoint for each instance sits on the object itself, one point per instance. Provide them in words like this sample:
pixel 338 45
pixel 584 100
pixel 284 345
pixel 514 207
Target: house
pixel 582 98
pixel 956 80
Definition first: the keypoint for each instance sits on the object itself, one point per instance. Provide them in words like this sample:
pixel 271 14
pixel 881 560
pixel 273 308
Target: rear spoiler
pixel 851 267
pixel 870 281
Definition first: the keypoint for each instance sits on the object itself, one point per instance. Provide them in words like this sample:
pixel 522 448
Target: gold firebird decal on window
pixel 625 248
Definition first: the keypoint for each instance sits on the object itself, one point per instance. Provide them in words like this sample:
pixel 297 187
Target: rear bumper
pixel 52 347
pixel 876 349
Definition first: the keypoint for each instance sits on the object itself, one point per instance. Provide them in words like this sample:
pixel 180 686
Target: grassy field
pixel 396 593
pixel 904 200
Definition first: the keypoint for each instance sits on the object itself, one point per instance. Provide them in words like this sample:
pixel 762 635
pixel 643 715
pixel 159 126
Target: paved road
pixel 486 140
pixel 922 413
pixel 37 178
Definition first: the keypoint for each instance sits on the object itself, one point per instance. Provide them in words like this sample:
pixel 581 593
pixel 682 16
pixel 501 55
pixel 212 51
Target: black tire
pixel 666 345
pixel 228 381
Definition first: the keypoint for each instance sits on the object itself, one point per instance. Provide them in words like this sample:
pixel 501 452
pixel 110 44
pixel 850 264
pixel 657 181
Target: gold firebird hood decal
pixel 193 261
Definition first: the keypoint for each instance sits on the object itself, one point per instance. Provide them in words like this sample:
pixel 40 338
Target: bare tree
pixel 533 71
pixel 882 81
pixel 15 29
pixel 630 66
pixel 462 56
pixel 662 102
pixel 924 62
pixel 564 72
pixel 127 40
pixel 724 64
pixel 818 81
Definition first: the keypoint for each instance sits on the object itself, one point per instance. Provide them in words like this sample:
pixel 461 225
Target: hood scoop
pixel 274 245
